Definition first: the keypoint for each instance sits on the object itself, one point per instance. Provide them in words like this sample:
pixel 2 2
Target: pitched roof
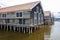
pixel 26 6
pixel 47 13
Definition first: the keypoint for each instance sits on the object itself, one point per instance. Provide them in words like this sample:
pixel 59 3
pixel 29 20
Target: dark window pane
pixel 37 18
pixel 3 15
pixel 20 21
pixel 17 14
pixel 23 21
pixel 7 20
pixel 20 14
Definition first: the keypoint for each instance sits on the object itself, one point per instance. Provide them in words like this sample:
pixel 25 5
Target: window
pixel 37 8
pixel 40 10
pixel 23 21
pixel 35 21
pixel 7 21
pixel 41 17
pixel 0 15
pixel 20 21
pixel 3 15
pixel 19 14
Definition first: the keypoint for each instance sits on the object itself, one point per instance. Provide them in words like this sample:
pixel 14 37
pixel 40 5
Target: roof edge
pixel 35 4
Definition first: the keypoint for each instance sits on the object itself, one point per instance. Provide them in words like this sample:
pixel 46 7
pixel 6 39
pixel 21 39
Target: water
pixel 47 32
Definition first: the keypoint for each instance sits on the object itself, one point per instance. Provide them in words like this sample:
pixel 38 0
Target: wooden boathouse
pixel 23 18
pixel 52 19
pixel 48 17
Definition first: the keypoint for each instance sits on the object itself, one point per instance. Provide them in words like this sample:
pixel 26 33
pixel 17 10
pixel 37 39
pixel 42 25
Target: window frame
pixel 20 21
pixel 37 9
pixel 7 20
pixel 3 15
pixel 19 14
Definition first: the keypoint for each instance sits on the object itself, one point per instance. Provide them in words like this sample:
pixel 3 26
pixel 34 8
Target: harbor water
pixel 46 32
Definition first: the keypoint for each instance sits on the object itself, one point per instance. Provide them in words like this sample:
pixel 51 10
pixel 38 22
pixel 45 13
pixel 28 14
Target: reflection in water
pixel 37 35
pixel 47 32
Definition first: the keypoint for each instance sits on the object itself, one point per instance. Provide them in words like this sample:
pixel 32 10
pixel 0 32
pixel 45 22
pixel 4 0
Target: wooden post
pixel 22 27
pixel 1 27
pixel 31 29
pixel 14 28
pixel 4 27
pixel 10 28
pixel 24 30
pixel 19 29
pixel 7 27
pixel 35 28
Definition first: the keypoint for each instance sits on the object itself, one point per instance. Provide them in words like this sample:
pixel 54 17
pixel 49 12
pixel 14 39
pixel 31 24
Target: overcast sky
pixel 48 5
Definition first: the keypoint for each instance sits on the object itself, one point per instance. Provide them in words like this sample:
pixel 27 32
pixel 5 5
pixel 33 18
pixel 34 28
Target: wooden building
pixel 48 17
pixel 23 18
pixel 52 18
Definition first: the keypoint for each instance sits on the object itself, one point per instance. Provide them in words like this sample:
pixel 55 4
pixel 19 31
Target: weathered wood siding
pixel 26 14
pixel 37 15
pixel 13 15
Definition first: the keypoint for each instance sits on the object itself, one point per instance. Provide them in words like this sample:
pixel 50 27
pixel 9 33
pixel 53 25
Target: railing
pixel 14 24
pixel 13 17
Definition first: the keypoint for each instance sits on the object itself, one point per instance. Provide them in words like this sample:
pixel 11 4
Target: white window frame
pixel 19 12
